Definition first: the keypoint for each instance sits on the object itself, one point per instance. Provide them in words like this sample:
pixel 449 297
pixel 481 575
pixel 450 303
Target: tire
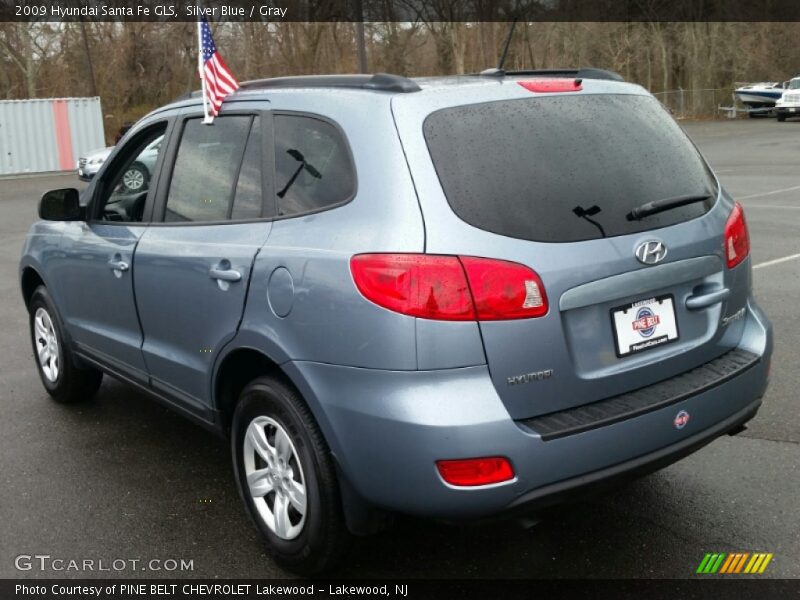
pixel 64 381
pixel 135 179
pixel 781 118
pixel 312 539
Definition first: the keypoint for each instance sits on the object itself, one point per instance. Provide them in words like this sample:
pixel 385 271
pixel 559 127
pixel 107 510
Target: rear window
pixel 565 168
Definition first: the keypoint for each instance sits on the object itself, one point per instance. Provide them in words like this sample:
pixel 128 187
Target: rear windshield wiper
pixel 657 206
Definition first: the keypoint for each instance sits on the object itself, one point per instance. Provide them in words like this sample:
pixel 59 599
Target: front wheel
pixel 286 477
pixel 64 381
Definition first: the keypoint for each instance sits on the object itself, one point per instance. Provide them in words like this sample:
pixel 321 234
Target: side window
pixel 206 168
pixel 124 197
pixel 247 201
pixel 312 165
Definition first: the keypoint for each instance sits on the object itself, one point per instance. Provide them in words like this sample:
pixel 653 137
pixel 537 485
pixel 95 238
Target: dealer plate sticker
pixel 644 324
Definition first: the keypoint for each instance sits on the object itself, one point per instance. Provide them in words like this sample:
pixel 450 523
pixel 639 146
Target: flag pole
pixel 208 119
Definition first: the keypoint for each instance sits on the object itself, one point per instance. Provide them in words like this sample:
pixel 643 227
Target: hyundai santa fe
pixel 458 298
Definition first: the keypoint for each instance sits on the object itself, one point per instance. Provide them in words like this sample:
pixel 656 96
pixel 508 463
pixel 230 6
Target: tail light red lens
pixel 737 239
pixel 475 471
pixel 450 288
pixel 418 285
pixel 504 290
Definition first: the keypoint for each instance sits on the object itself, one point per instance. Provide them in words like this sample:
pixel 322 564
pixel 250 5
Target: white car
pixel 136 178
pixel 90 163
pixel 788 105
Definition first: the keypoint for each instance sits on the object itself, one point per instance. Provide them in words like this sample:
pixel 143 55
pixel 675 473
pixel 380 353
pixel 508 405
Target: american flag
pixel 219 80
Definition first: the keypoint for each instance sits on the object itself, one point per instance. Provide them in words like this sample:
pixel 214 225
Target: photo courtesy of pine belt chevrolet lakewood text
pixel 457 297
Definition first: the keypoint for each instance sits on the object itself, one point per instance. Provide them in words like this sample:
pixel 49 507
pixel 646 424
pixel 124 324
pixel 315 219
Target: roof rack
pixel 381 82
pixel 585 73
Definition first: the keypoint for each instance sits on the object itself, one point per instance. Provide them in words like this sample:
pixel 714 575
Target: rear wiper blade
pixel 657 206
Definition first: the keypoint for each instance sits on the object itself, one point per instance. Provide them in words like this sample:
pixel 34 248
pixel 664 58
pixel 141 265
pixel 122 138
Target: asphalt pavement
pixel 124 478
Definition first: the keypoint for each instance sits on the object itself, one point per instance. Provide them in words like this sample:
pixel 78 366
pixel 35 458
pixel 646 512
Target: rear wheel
pixel 61 378
pixel 136 178
pixel 781 118
pixel 286 477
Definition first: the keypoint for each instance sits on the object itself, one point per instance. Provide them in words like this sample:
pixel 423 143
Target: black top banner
pixel 402 10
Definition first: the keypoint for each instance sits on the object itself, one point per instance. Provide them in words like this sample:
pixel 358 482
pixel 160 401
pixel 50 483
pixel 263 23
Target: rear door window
pixel 313 170
pixel 565 168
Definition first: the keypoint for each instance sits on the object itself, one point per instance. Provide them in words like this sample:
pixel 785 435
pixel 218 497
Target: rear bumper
pixel 387 429
pixel 789 111
pixel 609 477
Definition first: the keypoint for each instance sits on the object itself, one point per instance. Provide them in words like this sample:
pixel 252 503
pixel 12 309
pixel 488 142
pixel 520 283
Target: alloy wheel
pixel 275 477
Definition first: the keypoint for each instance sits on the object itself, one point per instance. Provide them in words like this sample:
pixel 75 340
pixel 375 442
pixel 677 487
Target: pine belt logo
pixel 735 563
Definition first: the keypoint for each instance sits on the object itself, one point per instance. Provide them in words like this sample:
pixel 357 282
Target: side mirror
pixel 60 205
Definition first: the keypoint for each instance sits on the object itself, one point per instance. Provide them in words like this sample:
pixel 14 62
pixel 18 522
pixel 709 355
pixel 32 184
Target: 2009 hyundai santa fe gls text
pixel 451 297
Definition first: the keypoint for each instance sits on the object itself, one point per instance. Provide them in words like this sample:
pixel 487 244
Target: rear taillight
pixel 504 290
pixel 418 285
pixel 737 240
pixel 475 471
pixel 450 288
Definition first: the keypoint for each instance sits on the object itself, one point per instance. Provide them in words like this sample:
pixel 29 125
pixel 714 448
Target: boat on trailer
pixel 760 95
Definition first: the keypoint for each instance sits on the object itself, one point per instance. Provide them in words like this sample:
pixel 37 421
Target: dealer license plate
pixel 644 324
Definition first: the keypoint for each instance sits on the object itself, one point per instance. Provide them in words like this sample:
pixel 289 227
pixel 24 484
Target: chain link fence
pixel 699 103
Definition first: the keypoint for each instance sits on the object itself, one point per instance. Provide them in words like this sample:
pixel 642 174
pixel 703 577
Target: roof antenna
pixel 505 50
pixel 498 72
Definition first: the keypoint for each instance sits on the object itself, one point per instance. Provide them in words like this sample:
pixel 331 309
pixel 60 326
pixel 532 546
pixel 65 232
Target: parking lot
pixel 124 478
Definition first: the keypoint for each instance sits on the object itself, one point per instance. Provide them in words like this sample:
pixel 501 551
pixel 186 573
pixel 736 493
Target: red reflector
pixel 552 85
pixel 418 285
pixel 737 239
pixel 475 471
pixel 504 290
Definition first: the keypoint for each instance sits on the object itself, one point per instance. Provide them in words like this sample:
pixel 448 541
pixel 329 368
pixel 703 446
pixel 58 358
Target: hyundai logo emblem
pixel 651 252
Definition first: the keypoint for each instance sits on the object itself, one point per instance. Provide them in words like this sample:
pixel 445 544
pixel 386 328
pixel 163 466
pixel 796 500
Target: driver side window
pixel 127 182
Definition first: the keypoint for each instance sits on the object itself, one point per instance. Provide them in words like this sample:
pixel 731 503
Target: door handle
pixel 230 275
pixel 699 301
pixel 118 265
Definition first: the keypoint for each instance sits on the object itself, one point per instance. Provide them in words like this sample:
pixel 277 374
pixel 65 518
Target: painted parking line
pixel 777 261
pixel 772 193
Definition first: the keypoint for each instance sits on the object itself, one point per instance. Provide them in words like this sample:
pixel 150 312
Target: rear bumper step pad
pixel 653 397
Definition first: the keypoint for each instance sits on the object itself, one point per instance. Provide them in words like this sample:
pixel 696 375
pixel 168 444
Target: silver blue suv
pixel 451 297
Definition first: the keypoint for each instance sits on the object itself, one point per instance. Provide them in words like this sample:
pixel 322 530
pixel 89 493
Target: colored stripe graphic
pixel 727 565
pixel 740 564
pixel 734 563
pixel 764 564
pixel 711 563
pixel 703 563
pixel 63 136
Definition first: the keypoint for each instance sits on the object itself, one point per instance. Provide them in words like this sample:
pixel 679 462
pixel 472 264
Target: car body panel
pixel 95 301
pixel 315 251
pixel 187 316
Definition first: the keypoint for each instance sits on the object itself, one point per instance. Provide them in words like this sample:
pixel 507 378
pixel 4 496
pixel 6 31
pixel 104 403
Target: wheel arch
pixel 236 368
pixel 29 281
